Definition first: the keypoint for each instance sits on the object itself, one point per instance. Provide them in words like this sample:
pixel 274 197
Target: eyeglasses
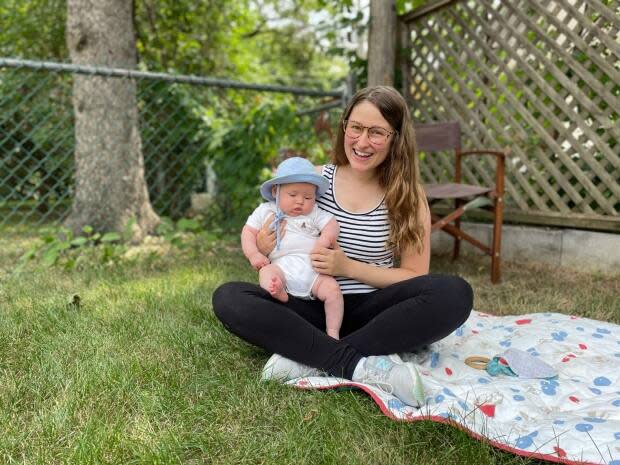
pixel 376 135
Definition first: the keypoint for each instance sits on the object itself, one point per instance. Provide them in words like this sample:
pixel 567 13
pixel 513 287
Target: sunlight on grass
pixel 139 370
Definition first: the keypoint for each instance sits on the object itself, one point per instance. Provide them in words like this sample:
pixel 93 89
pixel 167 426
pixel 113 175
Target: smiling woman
pixel 373 192
pixel 362 146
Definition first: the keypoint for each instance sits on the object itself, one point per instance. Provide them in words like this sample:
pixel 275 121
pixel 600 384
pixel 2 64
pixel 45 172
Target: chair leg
pixel 456 248
pixel 497 242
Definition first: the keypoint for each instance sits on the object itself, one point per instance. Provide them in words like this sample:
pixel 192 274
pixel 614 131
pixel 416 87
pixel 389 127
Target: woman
pixel 383 215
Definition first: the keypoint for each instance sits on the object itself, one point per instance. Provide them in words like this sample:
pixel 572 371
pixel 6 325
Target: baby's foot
pixel 276 289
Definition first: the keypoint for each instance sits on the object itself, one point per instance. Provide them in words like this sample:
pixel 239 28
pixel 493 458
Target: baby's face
pixel 297 198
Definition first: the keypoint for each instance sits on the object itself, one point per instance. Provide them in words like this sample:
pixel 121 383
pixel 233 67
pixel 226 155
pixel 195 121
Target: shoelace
pixel 383 386
pixel 379 379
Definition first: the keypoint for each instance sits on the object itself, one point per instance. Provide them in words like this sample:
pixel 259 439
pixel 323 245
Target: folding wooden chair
pixel 446 137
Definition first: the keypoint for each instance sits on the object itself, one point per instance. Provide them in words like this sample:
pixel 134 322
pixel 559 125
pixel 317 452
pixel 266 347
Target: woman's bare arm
pixel 329 234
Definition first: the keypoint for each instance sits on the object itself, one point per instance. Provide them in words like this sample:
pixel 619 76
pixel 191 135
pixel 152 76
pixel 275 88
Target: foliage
pixel 251 40
pixel 58 247
pixel 183 128
pixel 266 41
pixel 33 29
pixel 35 141
pixel 55 244
pixel 181 34
pixel 242 149
pixel 347 33
pixel 176 233
pixel 174 140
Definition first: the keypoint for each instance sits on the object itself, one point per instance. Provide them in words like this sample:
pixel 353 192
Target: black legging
pixel 399 318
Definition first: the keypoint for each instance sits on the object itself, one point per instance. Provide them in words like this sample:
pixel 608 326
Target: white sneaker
pixel 401 380
pixel 396 359
pixel 283 369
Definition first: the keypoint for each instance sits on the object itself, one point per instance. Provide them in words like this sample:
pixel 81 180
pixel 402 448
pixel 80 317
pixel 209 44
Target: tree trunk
pixel 382 42
pixel 110 188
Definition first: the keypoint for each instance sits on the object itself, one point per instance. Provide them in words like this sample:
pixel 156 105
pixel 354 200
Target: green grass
pixel 142 372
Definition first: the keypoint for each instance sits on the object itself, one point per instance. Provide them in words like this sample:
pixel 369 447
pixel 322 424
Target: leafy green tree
pixel 289 41
pixel 253 40
pixel 33 29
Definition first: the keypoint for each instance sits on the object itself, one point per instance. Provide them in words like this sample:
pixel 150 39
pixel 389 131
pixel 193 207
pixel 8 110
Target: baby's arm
pixel 248 245
pixel 329 234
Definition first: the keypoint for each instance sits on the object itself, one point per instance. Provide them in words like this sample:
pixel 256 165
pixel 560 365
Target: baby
pixel 292 194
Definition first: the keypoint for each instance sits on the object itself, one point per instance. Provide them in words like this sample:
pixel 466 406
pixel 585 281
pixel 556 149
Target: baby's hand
pixel 258 260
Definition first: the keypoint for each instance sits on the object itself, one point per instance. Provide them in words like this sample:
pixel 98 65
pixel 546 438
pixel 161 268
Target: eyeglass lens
pixel 376 135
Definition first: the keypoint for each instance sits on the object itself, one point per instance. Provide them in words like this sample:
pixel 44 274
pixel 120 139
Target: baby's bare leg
pixel 271 278
pixel 326 289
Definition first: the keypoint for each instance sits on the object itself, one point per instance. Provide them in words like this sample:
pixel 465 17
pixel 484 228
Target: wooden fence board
pixel 542 77
pixel 550 116
pixel 511 191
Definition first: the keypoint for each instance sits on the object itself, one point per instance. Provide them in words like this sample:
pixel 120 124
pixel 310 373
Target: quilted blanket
pixel 572 418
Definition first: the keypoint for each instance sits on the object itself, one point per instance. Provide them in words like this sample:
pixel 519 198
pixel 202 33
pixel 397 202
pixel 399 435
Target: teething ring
pixel 477 362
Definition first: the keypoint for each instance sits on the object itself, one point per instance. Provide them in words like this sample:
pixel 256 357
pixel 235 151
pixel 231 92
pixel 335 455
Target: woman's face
pixel 364 144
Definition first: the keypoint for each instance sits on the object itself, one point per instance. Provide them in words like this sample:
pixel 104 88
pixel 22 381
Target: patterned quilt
pixel 572 418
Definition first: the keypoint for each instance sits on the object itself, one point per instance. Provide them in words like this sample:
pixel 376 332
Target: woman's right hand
pixel 266 238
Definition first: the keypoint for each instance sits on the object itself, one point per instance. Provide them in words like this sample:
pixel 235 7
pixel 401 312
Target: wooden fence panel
pixel 541 77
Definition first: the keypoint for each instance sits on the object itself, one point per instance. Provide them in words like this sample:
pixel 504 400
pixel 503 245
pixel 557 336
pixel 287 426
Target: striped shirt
pixel 362 237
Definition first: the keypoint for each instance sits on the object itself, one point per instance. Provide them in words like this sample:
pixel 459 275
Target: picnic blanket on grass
pixel 572 418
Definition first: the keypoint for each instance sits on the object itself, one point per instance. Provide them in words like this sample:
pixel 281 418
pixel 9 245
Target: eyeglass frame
pixel 367 128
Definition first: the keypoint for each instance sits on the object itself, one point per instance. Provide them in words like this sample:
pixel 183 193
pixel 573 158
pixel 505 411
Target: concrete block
pixel 527 244
pixel 441 242
pixel 591 250
pixel 579 249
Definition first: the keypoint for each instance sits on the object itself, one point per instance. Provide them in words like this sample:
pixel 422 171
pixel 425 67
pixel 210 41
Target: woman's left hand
pixel 331 262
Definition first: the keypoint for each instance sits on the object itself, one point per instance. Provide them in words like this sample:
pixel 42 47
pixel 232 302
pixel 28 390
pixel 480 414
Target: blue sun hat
pixel 291 170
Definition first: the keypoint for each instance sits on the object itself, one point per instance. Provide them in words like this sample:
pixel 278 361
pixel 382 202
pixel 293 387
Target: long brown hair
pixel 398 174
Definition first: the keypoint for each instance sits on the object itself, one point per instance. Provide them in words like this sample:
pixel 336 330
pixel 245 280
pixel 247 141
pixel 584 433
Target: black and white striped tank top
pixel 362 236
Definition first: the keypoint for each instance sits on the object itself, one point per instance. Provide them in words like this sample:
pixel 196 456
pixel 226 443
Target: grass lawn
pixel 141 372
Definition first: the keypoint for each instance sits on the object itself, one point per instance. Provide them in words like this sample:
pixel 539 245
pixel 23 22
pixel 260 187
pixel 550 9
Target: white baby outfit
pixel 293 256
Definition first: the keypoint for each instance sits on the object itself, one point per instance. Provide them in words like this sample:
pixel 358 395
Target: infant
pixel 292 195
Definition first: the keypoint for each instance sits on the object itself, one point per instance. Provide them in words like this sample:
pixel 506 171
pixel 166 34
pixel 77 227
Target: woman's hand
pixel 332 262
pixel 266 238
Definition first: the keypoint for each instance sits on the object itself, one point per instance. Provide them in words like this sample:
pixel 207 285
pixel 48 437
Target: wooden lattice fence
pixel 541 77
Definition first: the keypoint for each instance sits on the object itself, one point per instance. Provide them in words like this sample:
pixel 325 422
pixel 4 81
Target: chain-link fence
pixel 183 121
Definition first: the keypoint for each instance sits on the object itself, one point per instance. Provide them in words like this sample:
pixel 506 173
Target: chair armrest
pixel 497 153
pixel 500 159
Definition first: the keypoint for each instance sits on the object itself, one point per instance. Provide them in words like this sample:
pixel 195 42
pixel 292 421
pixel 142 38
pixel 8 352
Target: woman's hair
pixel 398 174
